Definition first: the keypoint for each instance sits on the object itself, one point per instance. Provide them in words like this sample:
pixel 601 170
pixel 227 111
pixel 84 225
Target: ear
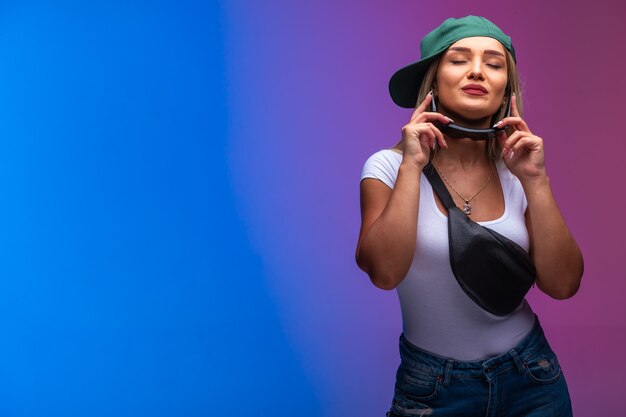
pixel 507 102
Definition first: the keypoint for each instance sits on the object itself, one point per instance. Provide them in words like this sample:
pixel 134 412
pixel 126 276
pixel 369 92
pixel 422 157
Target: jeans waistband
pixel 415 357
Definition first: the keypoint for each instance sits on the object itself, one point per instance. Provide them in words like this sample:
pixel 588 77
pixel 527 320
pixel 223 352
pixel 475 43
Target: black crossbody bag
pixel 495 272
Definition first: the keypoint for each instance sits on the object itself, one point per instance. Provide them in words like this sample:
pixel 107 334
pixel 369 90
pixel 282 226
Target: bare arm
pixel 389 217
pixel 554 251
pixel 389 227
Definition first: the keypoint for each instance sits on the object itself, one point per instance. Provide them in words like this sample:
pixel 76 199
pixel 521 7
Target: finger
pixel 519 146
pixel 430 135
pixel 422 107
pixel 426 135
pixel 514 111
pixel 511 141
pixel 501 137
pixel 431 117
pixel 516 122
pixel 435 137
pixel 527 142
pixel 522 141
pixel 439 137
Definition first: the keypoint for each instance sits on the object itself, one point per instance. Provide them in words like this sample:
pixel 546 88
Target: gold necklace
pixel 467 209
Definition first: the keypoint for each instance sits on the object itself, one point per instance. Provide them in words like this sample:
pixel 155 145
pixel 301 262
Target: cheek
pixel 447 77
pixel 500 82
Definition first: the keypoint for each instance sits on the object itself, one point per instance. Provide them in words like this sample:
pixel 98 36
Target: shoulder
pixel 383 165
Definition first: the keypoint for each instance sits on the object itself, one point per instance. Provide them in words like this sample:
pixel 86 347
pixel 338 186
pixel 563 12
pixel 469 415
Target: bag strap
pixel 438 186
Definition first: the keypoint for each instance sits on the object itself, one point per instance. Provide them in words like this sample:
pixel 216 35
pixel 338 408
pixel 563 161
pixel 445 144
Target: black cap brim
pixel 404 85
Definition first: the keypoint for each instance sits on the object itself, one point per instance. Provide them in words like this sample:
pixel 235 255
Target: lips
pixel 475 89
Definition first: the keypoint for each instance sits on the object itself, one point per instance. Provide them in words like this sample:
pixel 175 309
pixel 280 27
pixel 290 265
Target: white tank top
pixel 437 315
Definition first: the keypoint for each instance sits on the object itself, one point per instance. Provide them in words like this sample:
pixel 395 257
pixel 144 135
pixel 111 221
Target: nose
pixel 476 70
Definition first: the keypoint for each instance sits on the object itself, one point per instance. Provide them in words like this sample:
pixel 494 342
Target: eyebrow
pixel 487 51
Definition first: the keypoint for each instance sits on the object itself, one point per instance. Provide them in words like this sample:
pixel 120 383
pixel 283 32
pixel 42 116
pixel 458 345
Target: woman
pixel 457 359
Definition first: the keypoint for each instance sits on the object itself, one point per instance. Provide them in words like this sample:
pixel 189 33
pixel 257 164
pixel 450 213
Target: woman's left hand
pixel 522 151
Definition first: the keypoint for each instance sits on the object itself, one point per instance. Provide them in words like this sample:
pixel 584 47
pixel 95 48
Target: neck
pixel 464 152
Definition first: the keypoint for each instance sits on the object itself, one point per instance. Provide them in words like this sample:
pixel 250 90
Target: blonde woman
pixel 457 359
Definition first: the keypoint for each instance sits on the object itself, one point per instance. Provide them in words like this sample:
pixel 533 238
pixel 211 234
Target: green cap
pixel 405 83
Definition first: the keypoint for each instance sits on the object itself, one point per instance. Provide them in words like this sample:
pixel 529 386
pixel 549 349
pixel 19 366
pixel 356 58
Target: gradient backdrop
pixel 180 205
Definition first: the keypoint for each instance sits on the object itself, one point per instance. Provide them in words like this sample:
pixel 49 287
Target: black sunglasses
pixel 455 131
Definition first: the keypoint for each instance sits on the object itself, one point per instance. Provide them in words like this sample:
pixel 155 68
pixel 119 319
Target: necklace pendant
pixel 466 208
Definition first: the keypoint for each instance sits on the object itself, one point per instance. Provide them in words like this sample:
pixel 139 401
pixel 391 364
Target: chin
pixel 472 111
pixel 475 119
pixel 477 112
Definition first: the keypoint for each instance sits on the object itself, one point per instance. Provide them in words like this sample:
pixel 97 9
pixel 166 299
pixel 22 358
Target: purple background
pixel 308 103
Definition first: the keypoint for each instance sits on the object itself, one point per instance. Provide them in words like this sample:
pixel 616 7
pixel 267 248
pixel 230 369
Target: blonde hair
pixel 514 86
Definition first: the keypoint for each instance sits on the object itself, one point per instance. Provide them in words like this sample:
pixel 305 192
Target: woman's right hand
pixel 419 135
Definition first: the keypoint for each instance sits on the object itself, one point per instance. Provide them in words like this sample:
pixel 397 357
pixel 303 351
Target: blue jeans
pixel 526 381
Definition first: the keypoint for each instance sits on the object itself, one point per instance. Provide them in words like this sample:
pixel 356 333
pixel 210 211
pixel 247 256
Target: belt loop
pixel 517 360
pixel 448 372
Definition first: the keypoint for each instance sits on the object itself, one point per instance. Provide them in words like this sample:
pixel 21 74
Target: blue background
pixel 128 287
pixel 179 200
